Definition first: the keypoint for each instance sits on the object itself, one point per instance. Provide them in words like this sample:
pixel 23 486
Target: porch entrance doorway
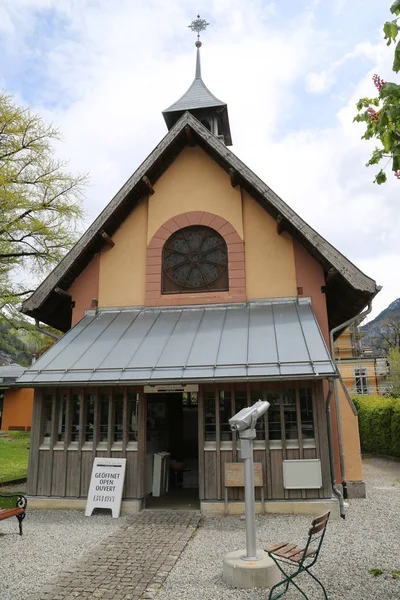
pixel 172 427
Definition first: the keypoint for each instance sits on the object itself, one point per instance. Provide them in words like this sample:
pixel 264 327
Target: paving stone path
pixel 131 564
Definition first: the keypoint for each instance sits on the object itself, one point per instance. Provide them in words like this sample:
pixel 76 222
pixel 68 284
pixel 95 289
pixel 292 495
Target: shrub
pixel 379 424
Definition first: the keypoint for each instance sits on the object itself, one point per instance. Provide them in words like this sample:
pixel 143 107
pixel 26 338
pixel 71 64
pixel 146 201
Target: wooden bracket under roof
pixel 331 274
pixel 62 292
pixel 280 224
pixel 189 136
pixel 147 183
pixel 234 175
pixel 107 238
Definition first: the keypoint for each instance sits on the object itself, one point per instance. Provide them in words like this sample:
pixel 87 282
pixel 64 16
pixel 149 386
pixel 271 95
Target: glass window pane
pixel 118 417
pixel 104 405
pixel 209 417
pixel 306 412
pixel 89 422
pixel 225 413
pixel 361 381
pixel 289 410
pixel 62 409
pixel 133 417
pixel 76 408
pixel 47 410
pixel 240 400
pixel 256 395
pixel 274 415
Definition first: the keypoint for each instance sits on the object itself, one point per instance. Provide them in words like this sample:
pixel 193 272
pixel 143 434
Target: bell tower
pixel 198 100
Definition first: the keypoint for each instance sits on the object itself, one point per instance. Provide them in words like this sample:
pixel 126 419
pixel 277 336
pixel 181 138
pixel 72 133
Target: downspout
pixel 350 401
pixel 48 333
pixel 335 488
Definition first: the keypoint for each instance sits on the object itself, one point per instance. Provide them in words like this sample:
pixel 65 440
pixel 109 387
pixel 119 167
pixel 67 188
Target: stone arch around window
pixel 194 259
pixel 236 264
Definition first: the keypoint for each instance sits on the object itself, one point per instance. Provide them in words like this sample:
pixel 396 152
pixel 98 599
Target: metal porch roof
pixel 252 341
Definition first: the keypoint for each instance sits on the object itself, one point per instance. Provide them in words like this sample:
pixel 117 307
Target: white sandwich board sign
pixel 106 485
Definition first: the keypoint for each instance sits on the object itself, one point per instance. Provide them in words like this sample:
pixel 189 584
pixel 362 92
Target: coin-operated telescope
pixel 244 423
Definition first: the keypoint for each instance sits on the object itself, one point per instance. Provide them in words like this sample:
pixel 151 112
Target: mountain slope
pixel 379 328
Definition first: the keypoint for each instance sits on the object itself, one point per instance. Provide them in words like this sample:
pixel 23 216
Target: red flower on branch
pixel 373 115
pixel 378 82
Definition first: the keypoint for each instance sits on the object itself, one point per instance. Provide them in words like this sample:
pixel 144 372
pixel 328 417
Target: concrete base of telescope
pixel 243 574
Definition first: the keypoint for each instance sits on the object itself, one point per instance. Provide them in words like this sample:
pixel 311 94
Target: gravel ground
pixel 52 541
pixel 368 538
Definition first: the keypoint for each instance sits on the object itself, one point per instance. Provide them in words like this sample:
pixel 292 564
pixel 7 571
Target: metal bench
pixel 13 505
pixel 289 557
pixel 234 477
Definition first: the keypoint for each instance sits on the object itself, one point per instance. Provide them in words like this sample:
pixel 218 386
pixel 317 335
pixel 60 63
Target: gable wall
pixel 123 267
pixel 194 185
pixel 270 266
pixel 84 289
pixel 194 182
pixel 309 280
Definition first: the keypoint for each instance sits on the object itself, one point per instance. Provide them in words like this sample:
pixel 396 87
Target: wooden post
pixel 66 438
pixel 218 443
pixel 110 424
pixel 53 434
pixel 200 425
pixel 36 433
pixel 125 424
pixel 140 486
pixel 268 478
pixel 96 425
pixel 81 437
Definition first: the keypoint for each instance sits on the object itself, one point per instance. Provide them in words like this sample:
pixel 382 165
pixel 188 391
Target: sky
pixel 291 72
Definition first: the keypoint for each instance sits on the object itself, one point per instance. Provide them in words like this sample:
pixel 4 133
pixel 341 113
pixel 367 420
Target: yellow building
pixel 362 373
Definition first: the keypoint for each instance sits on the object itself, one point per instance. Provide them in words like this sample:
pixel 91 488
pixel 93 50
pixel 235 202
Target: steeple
pixel 198 99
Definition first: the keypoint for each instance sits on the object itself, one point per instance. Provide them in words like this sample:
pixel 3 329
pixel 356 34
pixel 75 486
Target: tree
pixel 393 379
pixel 382 113
pixel 40 204
pixel 387 337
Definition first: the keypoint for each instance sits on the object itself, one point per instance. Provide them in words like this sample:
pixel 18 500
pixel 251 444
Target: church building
pixel 195 292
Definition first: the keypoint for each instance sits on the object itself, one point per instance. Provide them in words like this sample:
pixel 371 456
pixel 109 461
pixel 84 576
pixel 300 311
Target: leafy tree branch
pixel 381 114
pixel 40 205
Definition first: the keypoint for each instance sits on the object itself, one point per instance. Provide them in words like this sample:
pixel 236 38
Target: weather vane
pixel 198 25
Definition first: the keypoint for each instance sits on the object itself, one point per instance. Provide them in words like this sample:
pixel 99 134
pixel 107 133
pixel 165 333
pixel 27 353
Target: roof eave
pixel 361 289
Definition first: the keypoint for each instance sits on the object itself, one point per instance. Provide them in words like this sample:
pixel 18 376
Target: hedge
pixel 379 424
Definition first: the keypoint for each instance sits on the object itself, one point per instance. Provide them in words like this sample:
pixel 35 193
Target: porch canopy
pixel 249 341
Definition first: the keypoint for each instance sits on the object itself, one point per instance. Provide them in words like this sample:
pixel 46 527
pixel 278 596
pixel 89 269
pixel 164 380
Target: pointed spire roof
pixel 198 99
pixel 197 96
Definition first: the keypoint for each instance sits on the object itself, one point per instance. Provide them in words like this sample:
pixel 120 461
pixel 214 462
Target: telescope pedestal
pixel 262 573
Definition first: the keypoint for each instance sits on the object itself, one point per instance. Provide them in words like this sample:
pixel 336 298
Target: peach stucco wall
pixel 123 267
pixel 84 289
pixel 17 408
pixel 309 280
pixel 194 182
pixel 195 185
pixel 351 438
pixel 270 269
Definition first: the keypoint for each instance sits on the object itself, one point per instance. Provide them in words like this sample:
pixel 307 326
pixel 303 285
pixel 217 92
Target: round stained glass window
pixel 195 258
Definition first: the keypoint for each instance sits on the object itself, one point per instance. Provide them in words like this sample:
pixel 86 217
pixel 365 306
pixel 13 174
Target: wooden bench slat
pixel 287 550
pixel 321 519
pixel 276 547
pixel 317 528
pixel 5 513
pixel 297 557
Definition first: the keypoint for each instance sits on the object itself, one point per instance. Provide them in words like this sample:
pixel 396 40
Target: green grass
pixel 14 455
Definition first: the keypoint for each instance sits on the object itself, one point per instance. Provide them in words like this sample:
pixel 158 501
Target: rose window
pixel 195 258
